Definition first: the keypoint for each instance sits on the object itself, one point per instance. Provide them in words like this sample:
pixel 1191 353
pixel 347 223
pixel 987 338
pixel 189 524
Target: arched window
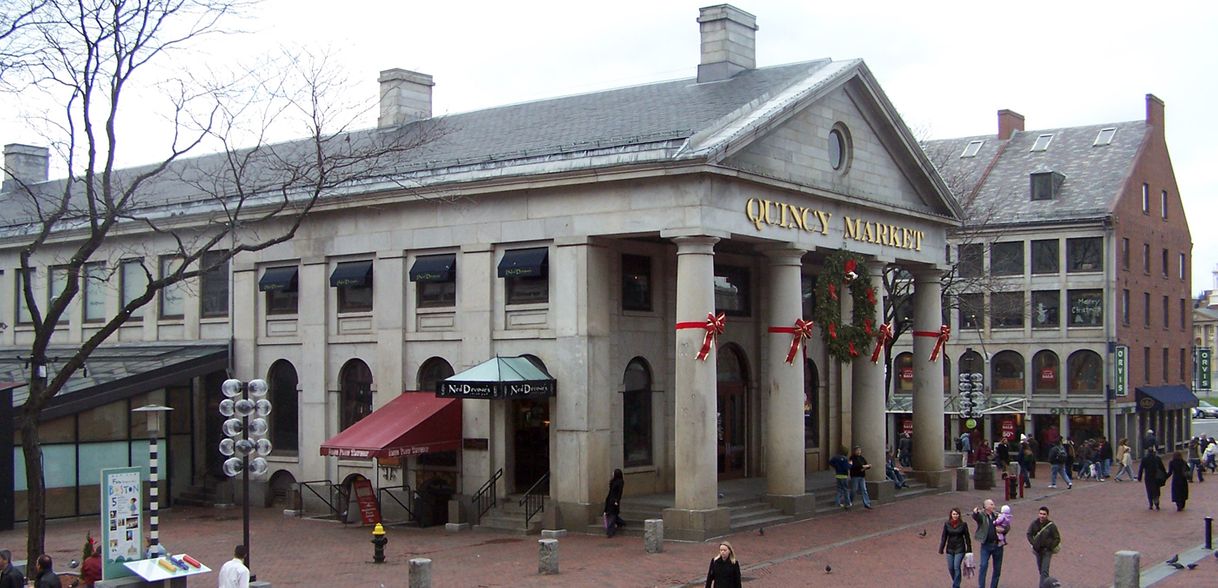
pixel 730 366
pixel 903 371
pixel 947 374
pixel 1085 373
pixel 970 363
pixel 355 393
pixel 432 372
pixel 636 414
pixel 811 405
pixel 285 408
pixel 1046 372
pixel 1007 376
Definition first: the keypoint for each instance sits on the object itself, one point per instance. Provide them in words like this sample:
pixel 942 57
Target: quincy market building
pixel 578 242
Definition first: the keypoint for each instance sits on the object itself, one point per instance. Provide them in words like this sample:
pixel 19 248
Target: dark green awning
pixel 524 263
pixel 279 279
pixel 352 274
pixel 434 268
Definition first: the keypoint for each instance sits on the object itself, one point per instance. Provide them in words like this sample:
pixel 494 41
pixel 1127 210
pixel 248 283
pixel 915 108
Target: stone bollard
pixel 653 535
pixel 420 573
pixel 1128 574
pixel 547 556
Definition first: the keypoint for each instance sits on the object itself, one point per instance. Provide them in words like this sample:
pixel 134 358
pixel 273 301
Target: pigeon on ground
pixel 1175 558
pixel 761 531
pixel 922 533
pixel 1192 566
pixel 828 569
pixel 1177 565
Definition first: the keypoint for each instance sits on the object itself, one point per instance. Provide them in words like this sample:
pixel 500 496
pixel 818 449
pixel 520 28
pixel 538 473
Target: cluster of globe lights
pixel 245 436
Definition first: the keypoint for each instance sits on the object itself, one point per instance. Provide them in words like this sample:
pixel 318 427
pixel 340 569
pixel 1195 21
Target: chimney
pixel 728 42
pixel 1009 122
pixel 26 163
pixel 405 97
pixel 1154 113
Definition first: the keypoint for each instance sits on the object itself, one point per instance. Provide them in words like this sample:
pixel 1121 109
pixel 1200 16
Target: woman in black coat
pixel 724 570
pixel 955 541
pixel 613 504
pixel 1178 469
pixel 1152 473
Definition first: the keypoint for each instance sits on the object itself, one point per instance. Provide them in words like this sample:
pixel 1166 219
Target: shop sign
pixel 122 526
pixel 1120 366
pixel 785 215
pixel 1067 411
pixel 1048 375
pixel 907 374
pixel 1203 368
pixel 369 512
pixel 907 426
pixel 1008 429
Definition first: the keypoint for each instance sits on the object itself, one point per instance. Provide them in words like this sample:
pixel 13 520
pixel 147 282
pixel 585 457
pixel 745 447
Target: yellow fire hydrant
pixel 378 542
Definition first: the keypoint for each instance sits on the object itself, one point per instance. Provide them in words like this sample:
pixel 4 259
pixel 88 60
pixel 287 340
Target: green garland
pixel 848 341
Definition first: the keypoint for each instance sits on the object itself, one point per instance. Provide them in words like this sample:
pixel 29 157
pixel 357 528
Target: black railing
pixel 335 496
pixel 534 500
pixel 393 498
pixel 487 497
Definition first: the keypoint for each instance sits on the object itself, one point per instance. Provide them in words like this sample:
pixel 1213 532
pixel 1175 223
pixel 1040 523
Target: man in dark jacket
pixel 10 577
pixel 1045 540
pixel 987 536
pixel 45 577
pixel 841 473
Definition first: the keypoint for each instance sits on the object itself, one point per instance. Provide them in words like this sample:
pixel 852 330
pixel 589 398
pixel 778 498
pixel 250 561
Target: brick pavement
pixel 864 548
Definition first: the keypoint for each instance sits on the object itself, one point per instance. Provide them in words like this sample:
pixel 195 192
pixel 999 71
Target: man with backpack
pixel 1057 465
pixel 1045 540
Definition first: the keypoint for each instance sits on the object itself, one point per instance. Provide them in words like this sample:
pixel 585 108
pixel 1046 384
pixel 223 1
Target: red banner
pixel 369 512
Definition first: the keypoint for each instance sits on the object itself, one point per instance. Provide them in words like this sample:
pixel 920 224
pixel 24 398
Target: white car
pixel 1205 410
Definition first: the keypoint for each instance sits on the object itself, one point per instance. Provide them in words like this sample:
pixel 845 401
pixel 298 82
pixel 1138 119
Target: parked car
pixel 1205 410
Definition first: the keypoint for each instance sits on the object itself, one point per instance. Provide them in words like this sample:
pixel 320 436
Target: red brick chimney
pixel 1009 121
pixel 1154 113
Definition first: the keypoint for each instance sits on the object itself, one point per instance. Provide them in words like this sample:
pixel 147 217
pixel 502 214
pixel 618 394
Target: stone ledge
pixel 696 525
pixel 793 505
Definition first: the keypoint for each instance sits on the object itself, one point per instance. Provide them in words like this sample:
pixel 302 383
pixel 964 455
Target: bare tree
pixel 90 56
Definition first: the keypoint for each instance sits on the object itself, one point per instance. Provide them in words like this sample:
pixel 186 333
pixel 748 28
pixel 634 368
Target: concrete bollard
pixel 1128 574
pixel 420 572
pixel 653 535
pixel 547 556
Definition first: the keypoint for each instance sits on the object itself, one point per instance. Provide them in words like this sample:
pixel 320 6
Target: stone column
pixel 695 514
pixel 785 483
pixel 928 378
pixel 475 279
pixel 867 395
pixel 316 424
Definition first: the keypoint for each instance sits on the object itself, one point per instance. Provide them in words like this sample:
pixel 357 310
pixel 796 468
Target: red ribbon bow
pixel 884 337
pixel 945 333
pixel 802 330
pixel 714 327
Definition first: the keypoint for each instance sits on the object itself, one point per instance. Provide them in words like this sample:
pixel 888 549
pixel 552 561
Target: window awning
pixel 1172 397
pixel 352 274
pixel 500 377
pixel 278 279
pixel 433 268
pixel 412 423
pixel 524 263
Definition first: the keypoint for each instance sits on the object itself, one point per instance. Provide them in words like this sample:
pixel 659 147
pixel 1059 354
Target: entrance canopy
pixel 500 377
pixel 410 424
pixel 1165 398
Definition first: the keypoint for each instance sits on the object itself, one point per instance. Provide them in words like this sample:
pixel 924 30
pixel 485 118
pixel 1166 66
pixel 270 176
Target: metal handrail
pixel 409 498
pixel 534 500
pixel 332 489
pixel 486 497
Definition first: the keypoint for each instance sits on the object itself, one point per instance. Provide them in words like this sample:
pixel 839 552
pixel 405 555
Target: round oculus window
pixel 837 149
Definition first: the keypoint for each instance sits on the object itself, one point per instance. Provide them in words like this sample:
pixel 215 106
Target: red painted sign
pixel 1008 429
pixel 369 512
pixel 907 426
pixel 907 374
pixel 1048 376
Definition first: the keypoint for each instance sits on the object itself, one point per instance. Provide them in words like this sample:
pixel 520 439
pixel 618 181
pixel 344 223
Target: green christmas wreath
pixel 845 341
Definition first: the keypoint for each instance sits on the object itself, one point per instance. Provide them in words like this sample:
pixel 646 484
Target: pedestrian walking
pixel 1104 457
pixel 1027 464
pixel 1194 460
pixel 1045 540
pixel 987 536
pixel 1057 466
pixel 234 574
pixel 44 575
pixel 1210 454
pixel 1178 470
pixel 858 479
pixel 1152 473
pixel 955 542
pixel 1150 442
pixel 1124 461
pixel 904 447
pixel 613 504
pixel 10 577
pixel 841 474
pixel 724 570
pixel 965 446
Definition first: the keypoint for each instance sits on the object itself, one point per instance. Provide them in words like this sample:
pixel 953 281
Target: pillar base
pixel 944 480
pixel 797 505
pixel 684 524
pixel 577 514
pixel 881 491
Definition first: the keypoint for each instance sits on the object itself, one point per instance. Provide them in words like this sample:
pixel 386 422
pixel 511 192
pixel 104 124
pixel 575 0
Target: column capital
pixel 927 274
pixel 784 254
pixel 695 244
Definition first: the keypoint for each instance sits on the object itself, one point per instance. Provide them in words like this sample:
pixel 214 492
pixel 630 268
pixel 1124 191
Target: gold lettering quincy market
pixel 786 216
pixel 882 234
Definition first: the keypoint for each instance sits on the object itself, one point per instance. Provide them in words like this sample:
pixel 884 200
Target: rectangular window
pixel 1146 365
pixel 636 427
pixel 1183 364
pixel 1006 310
pixel 1045 258
pixel 1145 198
pixel 1182 263
pixel 1165 256
pixel 1086 308
pixel 1146 258
pixel 1165 312
pixel 971 307
pixel 732 290
pixel 173 296
pixel 1146 309
pixel 58 277
pixel 1085 254
pixel 1163 203
pixel 353 279
pixel 1183 313
pixel 1104 137
pixel 1125 253
pixel 807 296
pixel 1046 305
pixel 435 280
pixel 1042 143
pixel 1046 185
pixel 636 283
pixel 1006 259
pixel 526 275
pixel 971 149
pixel 970 260
pixel 24 317
pixel 94 291
pixel 134 280
pixel 213 284
pixel 1125 306
pixel 1166 359
pixel 281 287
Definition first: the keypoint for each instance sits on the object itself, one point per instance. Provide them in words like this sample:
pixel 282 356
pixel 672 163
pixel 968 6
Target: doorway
pixel 732 420
pixel 531 441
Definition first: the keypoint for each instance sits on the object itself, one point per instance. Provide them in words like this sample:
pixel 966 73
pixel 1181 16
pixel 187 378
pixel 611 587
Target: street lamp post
pixel 154 412
pixel 244 436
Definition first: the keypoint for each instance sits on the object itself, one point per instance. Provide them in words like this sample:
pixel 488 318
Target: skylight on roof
pixel 971 149
pixel 1042 143
pixel 1104 137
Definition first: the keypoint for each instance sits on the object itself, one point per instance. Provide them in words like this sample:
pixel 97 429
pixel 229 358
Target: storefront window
pixel 356 393
pixel 285 428
pixel 1045 307
pixel 904 371
pixel 1007 377
pixel 1084 254
pixel 971 257
pixel 1006 310
pixel 636 414
pixel 811 403
pixel 1045 370
pixel 1085 373
pixel 1006 259
pixel 1044 257
pixel 732 290
pixel 1086 308
pixel 971 310
pixel 636 282
pixel 431 373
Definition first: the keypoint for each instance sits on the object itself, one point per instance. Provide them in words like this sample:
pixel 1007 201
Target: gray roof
pixel 1094 174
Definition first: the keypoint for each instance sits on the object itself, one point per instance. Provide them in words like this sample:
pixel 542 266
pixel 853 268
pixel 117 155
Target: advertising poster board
pixel 369 512
pixel 122 520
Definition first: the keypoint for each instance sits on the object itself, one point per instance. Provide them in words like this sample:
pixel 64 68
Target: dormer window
pixel 1104 137
pixel 1042 143
pixel 1047 185
pixel 971 149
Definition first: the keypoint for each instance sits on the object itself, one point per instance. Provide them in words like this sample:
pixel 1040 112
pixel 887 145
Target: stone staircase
pixel 508 517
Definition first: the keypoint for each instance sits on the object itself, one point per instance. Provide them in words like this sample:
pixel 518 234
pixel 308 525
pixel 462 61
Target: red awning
pixel 412 423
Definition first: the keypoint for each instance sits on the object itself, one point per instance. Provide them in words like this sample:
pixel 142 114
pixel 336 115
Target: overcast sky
pixel 947 66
